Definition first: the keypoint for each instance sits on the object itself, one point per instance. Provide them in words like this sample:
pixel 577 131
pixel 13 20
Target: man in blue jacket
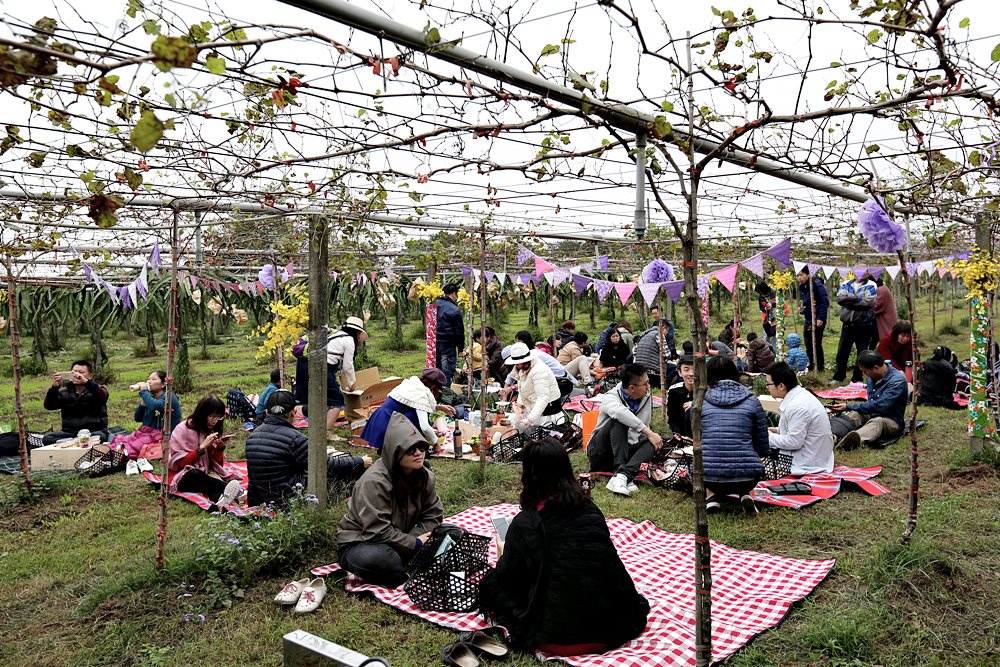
pixel 822 305
pixel 450 331
pixel 856 298
pixel 881 416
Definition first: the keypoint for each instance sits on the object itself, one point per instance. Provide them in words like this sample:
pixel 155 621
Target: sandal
pixel 459 655
pixel 483 644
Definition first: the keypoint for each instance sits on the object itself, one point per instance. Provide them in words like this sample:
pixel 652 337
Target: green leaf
pixel 146 132
pixel 667 105
pixel 995 55
pixel 431 36
pixel 215 64
pixel 134 6
pixel 964 23
pixel 151 27
pixel 170 52
pixel 549 50
pixel 661 128
pixel 872 148
pixel 874 36
pixel 36 158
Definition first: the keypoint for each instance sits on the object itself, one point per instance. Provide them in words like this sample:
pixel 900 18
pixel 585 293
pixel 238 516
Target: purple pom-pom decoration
pixel 657 271
pixel 266 276
pixel 882 233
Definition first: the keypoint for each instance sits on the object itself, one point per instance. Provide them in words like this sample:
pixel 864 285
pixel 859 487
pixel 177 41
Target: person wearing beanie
pixel 796 357
pixel 278 454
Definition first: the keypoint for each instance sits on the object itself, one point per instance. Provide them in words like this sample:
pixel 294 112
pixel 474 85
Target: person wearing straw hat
pixel 536 387
pixel 340 350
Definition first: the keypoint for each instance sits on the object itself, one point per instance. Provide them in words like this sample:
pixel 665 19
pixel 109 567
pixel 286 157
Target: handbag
pixel 446 572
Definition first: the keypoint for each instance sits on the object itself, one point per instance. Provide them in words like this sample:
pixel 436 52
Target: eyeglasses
pixel 770 384
pixel 644 384
pixel 421 446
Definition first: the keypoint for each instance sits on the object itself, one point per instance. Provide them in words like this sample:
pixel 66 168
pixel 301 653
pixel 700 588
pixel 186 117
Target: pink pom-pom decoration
pixel 657 271
pixel 882 233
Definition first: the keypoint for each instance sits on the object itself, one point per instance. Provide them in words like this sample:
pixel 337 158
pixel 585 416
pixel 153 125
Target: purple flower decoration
pixel 657 271
pixel 266 276
pixel 882 233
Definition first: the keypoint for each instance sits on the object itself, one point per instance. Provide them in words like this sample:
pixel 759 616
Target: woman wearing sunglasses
pixel 393 510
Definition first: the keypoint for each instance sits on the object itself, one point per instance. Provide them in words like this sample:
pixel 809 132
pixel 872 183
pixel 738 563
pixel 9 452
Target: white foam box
pixel 56 457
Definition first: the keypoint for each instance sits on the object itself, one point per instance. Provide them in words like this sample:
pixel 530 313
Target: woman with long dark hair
pixel 897 347
pixel 393 510
pixel 197 461
pixel 559 585
pixel 614 353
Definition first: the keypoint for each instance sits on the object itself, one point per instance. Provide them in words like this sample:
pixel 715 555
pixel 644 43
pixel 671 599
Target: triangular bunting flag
pixel 875 272
pixel 755 264
pixel 466 272
pixel 603 288
pixel 581 283
pixel 893 271
pixel 501 278
pixel 798 266
pixel 828 271
pixel 649 291
pixel 673 289
pixel 489 276
pixel 602 262
pixel 941 271
pixel 132 296
pixel 541 266
pixel 727 276
pixel 523 255
pixel 843 271
pixel 550 277
pixel 813 269
pixel 781 252
pixel 559 276
pixel 703 282
pixel 624 291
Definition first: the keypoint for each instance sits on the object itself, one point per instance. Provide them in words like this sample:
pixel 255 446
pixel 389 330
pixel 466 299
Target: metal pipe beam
pixel 620 116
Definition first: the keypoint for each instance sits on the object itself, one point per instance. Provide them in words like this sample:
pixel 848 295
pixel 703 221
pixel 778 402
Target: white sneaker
pixel 312 596
pixel 632 487
pixel 131 468
pixel 144 465
pixel 749 506
pixel 229 495
pixel 291 592
pixel 619 485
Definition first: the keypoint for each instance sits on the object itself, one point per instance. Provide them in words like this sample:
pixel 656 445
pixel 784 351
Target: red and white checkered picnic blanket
pixel 824 485
pixel 584 404
pixel 751 592
pixel 202 501
pixel 853 391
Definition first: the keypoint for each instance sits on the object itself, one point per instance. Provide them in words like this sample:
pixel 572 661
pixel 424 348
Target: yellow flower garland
pixel 979 273
pixel 781 280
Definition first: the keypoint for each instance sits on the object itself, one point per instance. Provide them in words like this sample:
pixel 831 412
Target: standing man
pixel 856 298
pixel 659 337
pixel 622 439
pixel 450 331
pixel 804 429
pixel 881 416
pixel 816 360
pixel 82 402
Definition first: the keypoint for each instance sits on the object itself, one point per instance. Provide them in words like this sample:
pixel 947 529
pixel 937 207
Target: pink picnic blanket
pixel 824 485
pixel 203 501
pixel 751 592
pixel 857 391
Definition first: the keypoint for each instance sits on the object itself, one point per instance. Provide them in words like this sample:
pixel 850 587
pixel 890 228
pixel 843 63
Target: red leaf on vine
pixel 312 187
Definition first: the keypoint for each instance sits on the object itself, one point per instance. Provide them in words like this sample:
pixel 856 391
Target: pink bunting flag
pixel 755 264
pixel 624 291
pixel 649 291
pixel 541 266
pixel 727 276
pixel 941 271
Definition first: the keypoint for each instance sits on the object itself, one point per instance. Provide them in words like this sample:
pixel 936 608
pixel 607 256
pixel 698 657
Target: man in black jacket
pixel 82 402
pixel 679 398
pixel 278 454
pixel 450 331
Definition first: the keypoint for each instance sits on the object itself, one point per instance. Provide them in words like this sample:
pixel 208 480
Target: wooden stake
pixel 15 356
pixel 319 331
pixel 482 370
pixel 911 521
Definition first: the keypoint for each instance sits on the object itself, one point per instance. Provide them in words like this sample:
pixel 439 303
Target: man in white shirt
pixel 804 429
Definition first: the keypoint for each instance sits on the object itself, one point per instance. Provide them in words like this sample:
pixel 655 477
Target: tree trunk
pixel 319 320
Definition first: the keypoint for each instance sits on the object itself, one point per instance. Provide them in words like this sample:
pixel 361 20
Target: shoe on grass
pixel 229 495
pixel 713 506
pixel 850 441
pixel 312 596
pixel 144 465
pixel 749 506
pixel 131 468
pixel 632 487
pixel 291 592
pixel 619 485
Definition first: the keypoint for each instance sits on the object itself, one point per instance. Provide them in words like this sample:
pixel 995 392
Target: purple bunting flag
pixel 581 283
pixel 603 288
pixel 755 264
pixel 674 289
pixel 781 252
pixel 602 262
pixel 649 291
pixel 523 255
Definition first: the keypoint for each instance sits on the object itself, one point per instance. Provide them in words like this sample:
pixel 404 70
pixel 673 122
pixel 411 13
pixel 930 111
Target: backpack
pixel 239 405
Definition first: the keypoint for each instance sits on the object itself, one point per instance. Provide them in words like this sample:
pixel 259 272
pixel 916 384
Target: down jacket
pixel 759 355
pixel 450 326
pixel 277 460
pixel 85 410
pixel 733 433
pixel 378 513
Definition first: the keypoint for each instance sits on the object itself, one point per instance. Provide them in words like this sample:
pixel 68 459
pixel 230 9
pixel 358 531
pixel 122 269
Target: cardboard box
pixel 56 457
pixel 369 387
pixel 770 404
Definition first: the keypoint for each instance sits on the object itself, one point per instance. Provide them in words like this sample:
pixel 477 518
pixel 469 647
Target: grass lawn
pixel 77 585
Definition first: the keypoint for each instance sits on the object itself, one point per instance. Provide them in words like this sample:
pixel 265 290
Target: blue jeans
pixel 447 360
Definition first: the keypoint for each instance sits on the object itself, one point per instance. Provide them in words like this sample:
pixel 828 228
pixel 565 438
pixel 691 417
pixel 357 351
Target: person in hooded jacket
pixel 759 354
pixel 278 456
pixel 734 436
pixel 938 378
pixel 394 508
pixel 559 585
pixel 796 357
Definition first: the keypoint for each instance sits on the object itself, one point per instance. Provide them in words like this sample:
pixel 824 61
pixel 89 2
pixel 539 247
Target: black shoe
pixel 749 506
pixel 713 507
pixel 459 655
pixel 850 441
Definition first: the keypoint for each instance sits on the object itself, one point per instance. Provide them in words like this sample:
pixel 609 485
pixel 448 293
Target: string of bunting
pixel 126 295
pixel 927 267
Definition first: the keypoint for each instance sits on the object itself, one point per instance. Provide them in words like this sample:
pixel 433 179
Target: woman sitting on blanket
pixel 734 436
pixel 415 398
pixel 394 508
pixel 197 455
pixel 559 585
pixel 897 347
pixel 938 378
pixel 144 442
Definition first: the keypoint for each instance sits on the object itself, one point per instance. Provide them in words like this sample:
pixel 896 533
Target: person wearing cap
pixel 393 510
pixel 278 454
pixel 415 398
pixel 537 391
pixel 450 331
pixel 340 350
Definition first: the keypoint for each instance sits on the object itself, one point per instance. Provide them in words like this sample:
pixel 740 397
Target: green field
pixel 77 584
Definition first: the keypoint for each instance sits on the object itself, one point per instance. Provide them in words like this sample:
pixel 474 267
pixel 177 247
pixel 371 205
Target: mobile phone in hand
pixel 500 525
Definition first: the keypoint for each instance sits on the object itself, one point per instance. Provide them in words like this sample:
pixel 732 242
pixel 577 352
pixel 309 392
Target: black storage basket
pixel 670 467
pixel 777 465
pixel 103 459
pixel 570 435
pixel 449 582
pixel 509 449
